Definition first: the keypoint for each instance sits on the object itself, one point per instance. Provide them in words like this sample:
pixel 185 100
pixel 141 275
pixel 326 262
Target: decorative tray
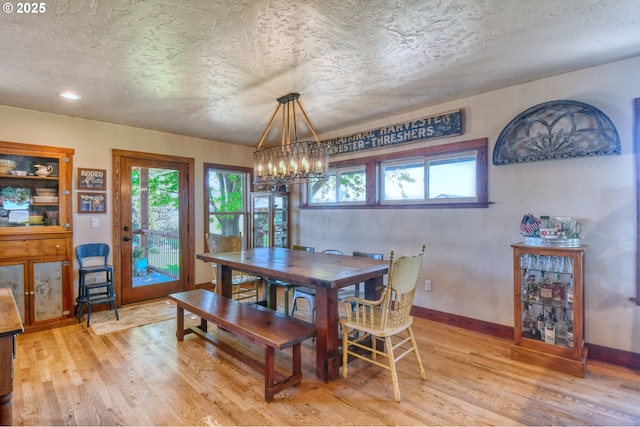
pixel 552 243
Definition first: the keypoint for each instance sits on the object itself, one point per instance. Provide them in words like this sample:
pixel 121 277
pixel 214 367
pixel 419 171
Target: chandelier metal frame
pixel 292 161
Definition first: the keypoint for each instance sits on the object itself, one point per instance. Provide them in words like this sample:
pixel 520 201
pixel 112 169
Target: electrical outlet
pixel 95 223
pixel 427 285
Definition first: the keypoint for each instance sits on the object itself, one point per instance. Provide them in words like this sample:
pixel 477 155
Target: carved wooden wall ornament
pixel 556 130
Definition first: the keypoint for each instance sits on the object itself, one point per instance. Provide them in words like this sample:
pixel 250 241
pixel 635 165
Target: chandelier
pixel 292 161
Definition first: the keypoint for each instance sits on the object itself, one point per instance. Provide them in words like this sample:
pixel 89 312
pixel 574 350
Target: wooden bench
pixel 259 324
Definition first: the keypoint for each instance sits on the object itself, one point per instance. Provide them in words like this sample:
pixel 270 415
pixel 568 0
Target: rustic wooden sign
pixel 446 124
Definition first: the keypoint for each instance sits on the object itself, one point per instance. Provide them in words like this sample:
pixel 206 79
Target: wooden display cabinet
pixel 36 233
pixel 269 220
pixel 549 308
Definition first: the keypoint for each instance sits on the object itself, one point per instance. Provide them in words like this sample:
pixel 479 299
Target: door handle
pixel 126 239
pixel 126 228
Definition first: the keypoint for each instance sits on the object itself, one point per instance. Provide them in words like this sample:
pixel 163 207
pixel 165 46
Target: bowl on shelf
pixel 45 199
pixel 6 166
pixel 46 191
pixel 35 219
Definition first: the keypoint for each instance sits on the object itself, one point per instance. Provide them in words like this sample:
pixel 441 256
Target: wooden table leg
pixel 179 323
pixel 6 410
pixel 224 280
pixel 327 351
pixel 373 288
pixel 272 298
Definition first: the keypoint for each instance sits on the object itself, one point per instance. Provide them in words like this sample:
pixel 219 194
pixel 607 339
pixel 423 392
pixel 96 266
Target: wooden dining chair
pixel 244 286
pixel 387 319
pixel 309 293
pixel 287 287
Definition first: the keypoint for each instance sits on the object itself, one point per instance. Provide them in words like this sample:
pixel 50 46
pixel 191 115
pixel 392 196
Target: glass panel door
pixel 47 290
pixel 260 221
pixel 154 231
pixel 280 220
pixel 13 277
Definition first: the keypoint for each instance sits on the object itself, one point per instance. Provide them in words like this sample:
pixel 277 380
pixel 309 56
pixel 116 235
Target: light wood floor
pixel 142 376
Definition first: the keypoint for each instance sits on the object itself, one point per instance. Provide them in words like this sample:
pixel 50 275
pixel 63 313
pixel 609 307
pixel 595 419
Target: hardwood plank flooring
pixel 143 376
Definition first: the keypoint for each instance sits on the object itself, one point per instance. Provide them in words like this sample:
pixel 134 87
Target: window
pixel 226 190
pixel 403 180
pixel 343 185
pixel 436 179
pixel 449 175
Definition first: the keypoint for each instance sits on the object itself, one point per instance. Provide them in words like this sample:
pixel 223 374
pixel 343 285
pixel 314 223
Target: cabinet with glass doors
pixel 36 230
pixel 270 219
pixel 549 308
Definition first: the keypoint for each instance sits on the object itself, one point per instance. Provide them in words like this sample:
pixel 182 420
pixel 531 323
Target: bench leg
pixel 296 368
pixel 269 374
pixel 271 386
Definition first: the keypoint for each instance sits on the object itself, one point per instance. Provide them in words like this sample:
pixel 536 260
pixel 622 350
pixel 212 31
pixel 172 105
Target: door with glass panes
pixel 270 220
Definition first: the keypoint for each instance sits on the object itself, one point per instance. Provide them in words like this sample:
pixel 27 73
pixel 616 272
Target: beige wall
pixel 468 254
pixel 469 258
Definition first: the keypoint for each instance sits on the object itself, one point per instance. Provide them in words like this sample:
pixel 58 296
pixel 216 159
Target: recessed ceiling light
pixel 69 95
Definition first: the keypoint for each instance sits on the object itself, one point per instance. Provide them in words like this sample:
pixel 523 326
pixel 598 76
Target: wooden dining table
pixel 327 273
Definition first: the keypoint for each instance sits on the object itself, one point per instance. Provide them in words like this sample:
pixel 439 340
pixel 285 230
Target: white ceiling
pixel 214 68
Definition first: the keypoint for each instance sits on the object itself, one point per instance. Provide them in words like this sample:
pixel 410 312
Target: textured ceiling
pixel 214 68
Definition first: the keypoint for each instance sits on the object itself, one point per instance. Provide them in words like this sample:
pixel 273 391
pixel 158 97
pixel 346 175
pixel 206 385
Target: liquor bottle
pixel 550 331
pixel 546 289
pixel 569 294
pixel 558 291
pixel 540 326
pixel 527 323
pixel 569 333
pixel 533 291
pixel 562 330
pixel 524 288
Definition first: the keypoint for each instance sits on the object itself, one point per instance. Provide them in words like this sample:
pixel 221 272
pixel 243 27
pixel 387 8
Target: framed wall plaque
pixel 92 179
pixel 92 203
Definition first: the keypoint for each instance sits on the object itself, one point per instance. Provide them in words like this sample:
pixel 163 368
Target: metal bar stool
pixel 92 259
